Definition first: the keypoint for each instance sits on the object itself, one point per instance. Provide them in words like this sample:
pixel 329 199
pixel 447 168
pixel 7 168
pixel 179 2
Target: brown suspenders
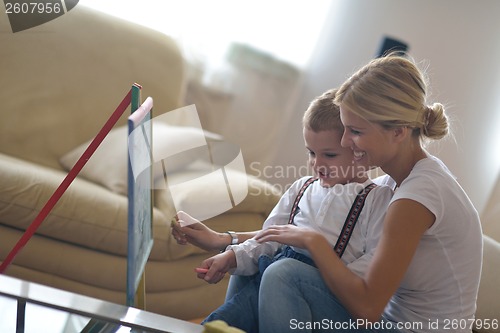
pixel 350 221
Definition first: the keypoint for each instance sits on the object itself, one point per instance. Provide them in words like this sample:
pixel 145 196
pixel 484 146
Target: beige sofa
pixel 488 305
pixel 59 83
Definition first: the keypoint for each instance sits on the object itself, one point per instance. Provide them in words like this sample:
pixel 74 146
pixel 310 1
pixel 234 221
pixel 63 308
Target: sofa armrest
pixel 491 214
pixel 488 303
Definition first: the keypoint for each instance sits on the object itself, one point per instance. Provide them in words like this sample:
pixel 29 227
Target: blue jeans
pixel 240 308
pixel 242 299
pixel 236 283
pixel 288 295
pixel 294 297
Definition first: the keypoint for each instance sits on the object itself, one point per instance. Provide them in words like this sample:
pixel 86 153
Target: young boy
pixel 321 203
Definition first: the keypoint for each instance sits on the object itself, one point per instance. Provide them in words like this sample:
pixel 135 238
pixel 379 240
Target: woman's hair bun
pixel 435 122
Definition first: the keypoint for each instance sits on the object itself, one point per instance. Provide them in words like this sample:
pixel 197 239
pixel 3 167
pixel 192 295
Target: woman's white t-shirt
pixel 439 289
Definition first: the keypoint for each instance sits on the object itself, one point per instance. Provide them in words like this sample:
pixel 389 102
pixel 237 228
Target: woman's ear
pixel 401 133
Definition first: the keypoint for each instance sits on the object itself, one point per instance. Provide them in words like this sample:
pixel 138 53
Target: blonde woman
pixel 425 272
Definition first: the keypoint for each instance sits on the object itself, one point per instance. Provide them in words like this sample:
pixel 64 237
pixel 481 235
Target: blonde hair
pixel 323 114
pixel 392 91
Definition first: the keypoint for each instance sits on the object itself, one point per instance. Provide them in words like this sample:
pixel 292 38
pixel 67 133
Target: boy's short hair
pixel 323 114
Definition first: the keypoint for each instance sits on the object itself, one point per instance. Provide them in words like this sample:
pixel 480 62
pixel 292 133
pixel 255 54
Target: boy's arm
pixel 247 255
pixel 248 252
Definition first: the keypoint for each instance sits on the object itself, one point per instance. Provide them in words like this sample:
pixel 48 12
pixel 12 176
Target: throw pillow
pixel 108 165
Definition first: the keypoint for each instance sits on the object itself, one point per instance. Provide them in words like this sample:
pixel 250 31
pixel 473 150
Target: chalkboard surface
pixel 140 238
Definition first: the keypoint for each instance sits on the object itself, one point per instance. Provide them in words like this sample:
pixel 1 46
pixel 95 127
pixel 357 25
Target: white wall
pixel 460 41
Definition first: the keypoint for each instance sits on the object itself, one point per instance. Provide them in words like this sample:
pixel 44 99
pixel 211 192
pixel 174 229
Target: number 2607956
pixel 33 8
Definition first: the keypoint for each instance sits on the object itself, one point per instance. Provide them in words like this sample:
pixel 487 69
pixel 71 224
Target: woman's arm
pixel 405 222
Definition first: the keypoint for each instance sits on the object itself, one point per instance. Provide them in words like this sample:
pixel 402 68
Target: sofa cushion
pixel 488 303
pixel 108 164
pixel 87 214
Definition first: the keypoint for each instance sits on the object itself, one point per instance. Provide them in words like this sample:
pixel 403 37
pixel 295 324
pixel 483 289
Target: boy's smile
pixel 332 163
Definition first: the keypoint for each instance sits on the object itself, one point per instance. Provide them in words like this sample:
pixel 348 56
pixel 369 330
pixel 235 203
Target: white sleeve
pixel 385 180
pixel 248 252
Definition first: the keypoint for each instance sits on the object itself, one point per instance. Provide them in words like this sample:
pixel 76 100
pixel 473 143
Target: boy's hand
pixel 214 268
pixel 197 234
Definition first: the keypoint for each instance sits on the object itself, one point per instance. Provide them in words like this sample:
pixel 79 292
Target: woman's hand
pixel 288 234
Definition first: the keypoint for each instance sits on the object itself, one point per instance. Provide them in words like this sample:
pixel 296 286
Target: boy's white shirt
pixel 324 210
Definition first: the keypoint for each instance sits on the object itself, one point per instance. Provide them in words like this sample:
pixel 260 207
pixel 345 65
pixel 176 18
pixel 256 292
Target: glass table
pixel 27 307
